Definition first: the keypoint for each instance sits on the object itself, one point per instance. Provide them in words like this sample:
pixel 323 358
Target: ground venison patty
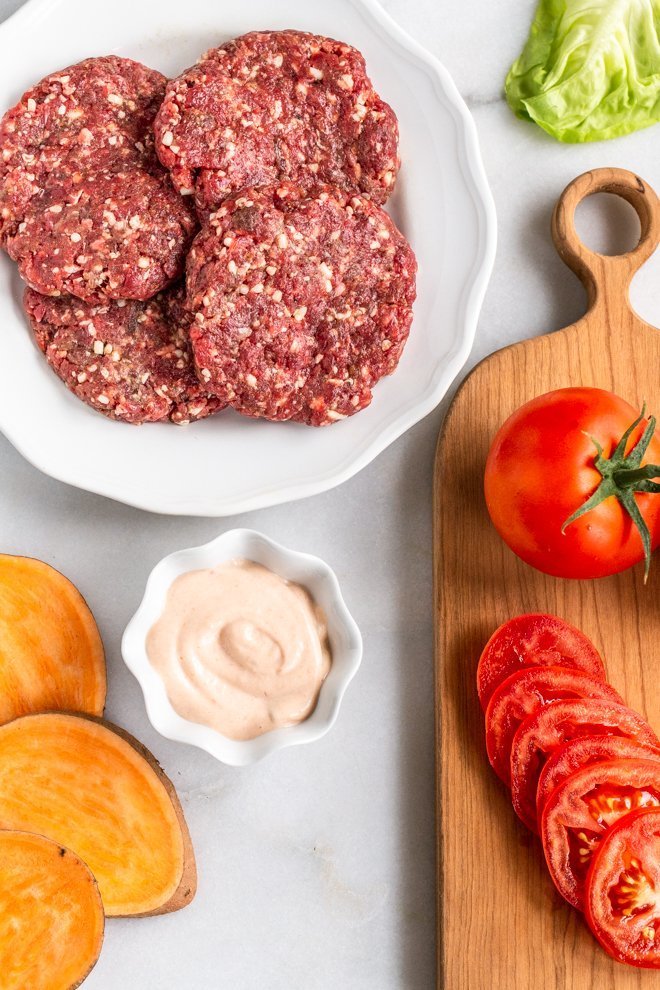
pixel 128 360
pixel 277 105
pixel 114 234
pixel 302 301
pixel 86 206
pixel 87 117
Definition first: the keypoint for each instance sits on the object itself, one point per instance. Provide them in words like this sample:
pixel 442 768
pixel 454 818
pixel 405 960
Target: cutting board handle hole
pixel 607 224
pixel 607 276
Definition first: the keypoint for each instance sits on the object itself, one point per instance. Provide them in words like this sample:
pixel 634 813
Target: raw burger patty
pixel 92 115
pixel 277 105
pixel 302 301
pixel 78 174
pixel 118 235
pixel 129 360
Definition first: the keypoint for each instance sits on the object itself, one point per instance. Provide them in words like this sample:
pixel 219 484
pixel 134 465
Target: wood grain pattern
pixel 501 925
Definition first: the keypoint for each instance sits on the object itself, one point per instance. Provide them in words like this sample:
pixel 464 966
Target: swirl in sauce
pixel 240 649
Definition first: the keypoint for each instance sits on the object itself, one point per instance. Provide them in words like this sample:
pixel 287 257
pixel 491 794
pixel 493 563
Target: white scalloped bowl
pixel 228 463
pixel 302 568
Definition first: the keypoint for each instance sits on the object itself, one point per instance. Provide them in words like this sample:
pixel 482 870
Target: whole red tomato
pixel 573 452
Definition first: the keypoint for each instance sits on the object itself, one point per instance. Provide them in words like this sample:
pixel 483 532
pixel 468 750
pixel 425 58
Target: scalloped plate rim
pixel 471 299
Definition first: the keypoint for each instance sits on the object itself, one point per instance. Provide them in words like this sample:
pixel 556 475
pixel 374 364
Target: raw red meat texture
pixel 277 105
pixel 302 301
pixel 128 360
pixel 85 206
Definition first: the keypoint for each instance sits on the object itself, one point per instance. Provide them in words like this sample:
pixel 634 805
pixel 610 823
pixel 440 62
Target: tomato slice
pixel 548 728
pixel 524 693
pixel 622 895
pixel 534 640
pixel 580 753
pixel 580 811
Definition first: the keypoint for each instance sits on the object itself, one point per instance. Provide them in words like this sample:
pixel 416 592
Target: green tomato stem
pixel 623 477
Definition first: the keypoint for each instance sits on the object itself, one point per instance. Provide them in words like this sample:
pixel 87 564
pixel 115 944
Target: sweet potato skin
pixel 92 787
pixel 51 915
pixel 51 654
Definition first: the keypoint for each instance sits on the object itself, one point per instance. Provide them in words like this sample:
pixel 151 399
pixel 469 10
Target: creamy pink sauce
pixel 240 649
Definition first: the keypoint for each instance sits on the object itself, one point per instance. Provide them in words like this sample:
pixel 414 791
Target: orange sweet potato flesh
pixel 95 790
pixel 51 916
pixel 51 655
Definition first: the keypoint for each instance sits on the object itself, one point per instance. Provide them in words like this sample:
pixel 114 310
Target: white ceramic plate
pixel 230 464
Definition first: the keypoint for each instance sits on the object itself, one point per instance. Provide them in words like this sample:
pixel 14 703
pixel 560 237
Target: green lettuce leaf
pixel 590 69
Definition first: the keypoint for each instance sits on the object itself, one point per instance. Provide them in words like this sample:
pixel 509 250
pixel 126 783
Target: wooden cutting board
pixel 501 925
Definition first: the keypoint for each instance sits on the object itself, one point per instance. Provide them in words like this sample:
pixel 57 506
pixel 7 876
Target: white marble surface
pixel 317 866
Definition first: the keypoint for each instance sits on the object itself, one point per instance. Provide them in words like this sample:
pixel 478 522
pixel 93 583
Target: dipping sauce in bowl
pixel 240 649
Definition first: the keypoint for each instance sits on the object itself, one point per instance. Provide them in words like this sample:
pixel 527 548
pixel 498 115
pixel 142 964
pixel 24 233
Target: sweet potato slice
pixel 51 915
pixel 51 655
pixel 93 788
